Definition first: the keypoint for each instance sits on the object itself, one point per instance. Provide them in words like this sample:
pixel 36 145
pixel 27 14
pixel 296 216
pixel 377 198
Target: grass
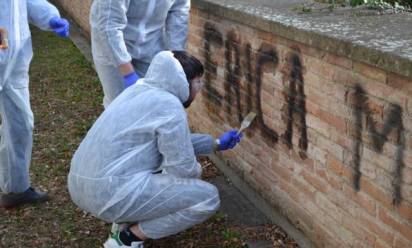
pixel 66 98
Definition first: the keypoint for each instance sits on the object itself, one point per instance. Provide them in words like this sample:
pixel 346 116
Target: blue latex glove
pixel 130 79
pixel 60 26
pixel 229 139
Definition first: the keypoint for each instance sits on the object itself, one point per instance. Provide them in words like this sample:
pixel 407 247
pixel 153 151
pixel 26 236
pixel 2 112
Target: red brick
pixel 378 159
pixel 369 171
pixel 409 112
pixel 339 168
pixel 402 243
pixel 405 210
pixel 343 238
pixel 376 228
pixel 404 229
pixel 359 231
pixel 282 171
pixel 309 164
pixel 335 182
pixel 320 67
pixel 381 244
pixel 376 108
pixel 408 160
pixel 256 182
pixel 407 175
pixel 266 112
pixel 322 236
pixel 303 187
pixel 407 191
pixel 334 164
pixel 302 219
pixel 265 36
pixel 342 140
pixel 317 154
pixel 289 190
pixel 304 49
pixel 374 88
pixel 331 147
pixel 376 193
pixel 316 97
pixel 267 98
pixel 333 120
pixel 321 173
pixel 320 185
pixel 339 94
pixel 345 77
pixel 338 60
pixel 312 108
pixel 401 83
pixel 362 200
pixel 370 72
pixel 352 98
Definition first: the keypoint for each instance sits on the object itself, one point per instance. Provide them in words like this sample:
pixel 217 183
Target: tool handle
pixel 240 130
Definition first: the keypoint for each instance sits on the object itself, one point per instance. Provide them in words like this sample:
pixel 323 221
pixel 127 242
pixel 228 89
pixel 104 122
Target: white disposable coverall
pixel 123 30
pixel 16 116
pixel 143 130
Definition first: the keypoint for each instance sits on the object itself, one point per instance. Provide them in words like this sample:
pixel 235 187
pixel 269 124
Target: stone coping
pixel 384 41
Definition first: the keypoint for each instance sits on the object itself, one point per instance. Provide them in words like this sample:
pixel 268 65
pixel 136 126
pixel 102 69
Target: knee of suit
pixel 211 203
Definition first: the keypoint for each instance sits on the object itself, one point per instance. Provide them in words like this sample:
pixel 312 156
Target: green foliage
pixel 406 3
pixel 372 3
pixel 356 2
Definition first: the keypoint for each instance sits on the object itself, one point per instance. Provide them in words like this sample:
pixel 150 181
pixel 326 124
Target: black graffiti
pixel 295 110
pixel 211 36
pixel 249 78
pixel 232 82
pixel 267 55
pixel 266 58
pixel 296 100
pixel 393 122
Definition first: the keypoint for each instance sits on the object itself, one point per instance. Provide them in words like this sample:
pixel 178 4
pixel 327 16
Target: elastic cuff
pixel 217 145
pixel 130 79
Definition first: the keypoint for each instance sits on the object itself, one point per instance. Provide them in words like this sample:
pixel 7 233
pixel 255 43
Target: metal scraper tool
pixel 246 121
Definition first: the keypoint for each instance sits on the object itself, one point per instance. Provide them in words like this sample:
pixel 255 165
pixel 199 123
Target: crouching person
pixel 114 173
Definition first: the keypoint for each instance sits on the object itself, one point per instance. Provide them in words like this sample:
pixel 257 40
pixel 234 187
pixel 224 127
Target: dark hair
pixel 191 65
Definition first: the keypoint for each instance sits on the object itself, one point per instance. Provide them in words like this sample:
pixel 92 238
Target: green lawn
pixel 66 98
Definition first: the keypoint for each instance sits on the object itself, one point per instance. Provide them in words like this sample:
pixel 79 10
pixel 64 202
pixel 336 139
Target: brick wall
pixel 331 148
pixel 79 11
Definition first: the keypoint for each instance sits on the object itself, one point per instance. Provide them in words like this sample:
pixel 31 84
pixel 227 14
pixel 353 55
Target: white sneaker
pixel 114 242
pixel 118 227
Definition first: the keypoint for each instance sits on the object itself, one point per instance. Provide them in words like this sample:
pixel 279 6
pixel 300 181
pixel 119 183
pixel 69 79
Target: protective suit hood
pixel 165 72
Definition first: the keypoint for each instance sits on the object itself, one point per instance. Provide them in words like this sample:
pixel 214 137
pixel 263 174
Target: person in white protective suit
pixel 16 116
pixel 127 34
pixel 113 173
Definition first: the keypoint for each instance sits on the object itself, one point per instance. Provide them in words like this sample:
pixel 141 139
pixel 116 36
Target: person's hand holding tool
pixel 228 140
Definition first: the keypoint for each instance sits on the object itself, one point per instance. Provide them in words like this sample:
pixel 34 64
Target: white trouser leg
pixel 16 139
pixel 168 205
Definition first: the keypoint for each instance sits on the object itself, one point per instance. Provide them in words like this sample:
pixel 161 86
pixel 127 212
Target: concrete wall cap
pixel 383 41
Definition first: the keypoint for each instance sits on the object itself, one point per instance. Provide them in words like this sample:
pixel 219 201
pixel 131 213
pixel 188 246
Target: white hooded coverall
pixel 143 130
pixel 134 30
pixel 15 113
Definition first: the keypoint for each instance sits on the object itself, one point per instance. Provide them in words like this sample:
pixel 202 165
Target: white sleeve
pixel 177 25
pixel 40 12
pixel 175 145
pixel 109 21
